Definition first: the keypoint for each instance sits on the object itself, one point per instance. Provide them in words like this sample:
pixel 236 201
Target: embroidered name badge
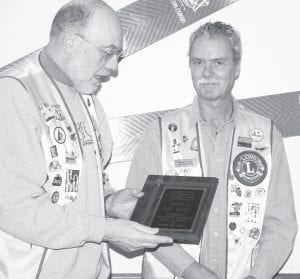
pixel 182 163
pixel 250 168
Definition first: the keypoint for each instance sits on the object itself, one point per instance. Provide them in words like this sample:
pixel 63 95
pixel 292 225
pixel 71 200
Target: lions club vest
pixel 247 182
pixel 62 150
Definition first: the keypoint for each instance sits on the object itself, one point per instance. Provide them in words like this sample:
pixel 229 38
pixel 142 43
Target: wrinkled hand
pixel 198 271
pixel 131 236
pixel 121 204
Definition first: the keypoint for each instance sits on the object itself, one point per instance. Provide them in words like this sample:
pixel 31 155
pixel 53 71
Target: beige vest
pixel 248 182
pixel 63 155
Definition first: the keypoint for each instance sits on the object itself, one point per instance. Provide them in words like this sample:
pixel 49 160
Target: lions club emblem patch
pixel 250 168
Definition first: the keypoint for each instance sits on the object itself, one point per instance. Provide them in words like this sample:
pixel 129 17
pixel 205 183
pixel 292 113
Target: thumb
pixel 137 193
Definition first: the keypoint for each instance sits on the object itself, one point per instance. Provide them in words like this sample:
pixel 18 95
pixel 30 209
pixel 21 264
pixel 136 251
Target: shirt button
pixel 215 261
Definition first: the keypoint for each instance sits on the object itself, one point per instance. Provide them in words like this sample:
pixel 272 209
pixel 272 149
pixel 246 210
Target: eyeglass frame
pixel 107 54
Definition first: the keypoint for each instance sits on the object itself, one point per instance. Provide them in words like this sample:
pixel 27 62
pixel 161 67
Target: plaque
pixel 177 205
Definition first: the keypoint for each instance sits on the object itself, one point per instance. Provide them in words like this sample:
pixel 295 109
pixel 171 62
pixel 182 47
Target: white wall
pixel 158 78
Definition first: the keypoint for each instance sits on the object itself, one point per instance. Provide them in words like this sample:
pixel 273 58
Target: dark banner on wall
pixel 147 21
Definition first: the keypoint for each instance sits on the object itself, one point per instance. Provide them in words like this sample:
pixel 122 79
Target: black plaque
pixel 177 205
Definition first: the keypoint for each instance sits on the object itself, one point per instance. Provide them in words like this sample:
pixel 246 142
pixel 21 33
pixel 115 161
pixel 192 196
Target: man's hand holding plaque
pixel 121 204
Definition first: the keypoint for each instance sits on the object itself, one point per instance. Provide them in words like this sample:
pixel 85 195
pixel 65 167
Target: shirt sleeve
pixel 280 225
pixel 26 210
pixel 146 161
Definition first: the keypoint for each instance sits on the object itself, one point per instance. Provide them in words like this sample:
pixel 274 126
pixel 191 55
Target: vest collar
pixel 52 69
pixel 196 116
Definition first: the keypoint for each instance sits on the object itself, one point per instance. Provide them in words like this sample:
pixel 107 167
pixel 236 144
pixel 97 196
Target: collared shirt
pixel 279 226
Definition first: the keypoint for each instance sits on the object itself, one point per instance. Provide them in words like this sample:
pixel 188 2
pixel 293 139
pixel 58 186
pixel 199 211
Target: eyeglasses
pixel 107 54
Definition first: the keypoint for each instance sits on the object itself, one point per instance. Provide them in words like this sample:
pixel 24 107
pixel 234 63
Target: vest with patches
pixel 63 155
pixel 247 182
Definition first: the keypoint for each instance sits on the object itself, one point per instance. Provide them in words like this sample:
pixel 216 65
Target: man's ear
pixel 237 71
pixel 69 42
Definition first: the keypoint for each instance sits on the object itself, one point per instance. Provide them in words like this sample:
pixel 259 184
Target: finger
pixel 157 239
pixel 140 194
pixel 154 238
pixel 137 193
pixel 141 246
pixel 145 229
pixel 150 234
pixel 146 245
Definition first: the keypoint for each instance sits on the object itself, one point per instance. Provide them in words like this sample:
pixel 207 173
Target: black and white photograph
pixel 96 96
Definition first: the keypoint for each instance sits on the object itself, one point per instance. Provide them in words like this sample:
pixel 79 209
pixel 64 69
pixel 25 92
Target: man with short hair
pixel 54 146
pixel 251 227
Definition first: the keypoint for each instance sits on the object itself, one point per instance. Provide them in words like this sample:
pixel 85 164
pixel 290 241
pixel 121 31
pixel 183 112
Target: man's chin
pixel 95 92
pixel 91 90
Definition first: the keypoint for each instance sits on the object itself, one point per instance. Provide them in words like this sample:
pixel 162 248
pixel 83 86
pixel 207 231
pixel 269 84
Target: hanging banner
pixel 147 21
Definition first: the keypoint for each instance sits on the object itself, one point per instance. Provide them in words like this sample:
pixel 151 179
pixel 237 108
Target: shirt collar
pixel 53 70
pixel 196 116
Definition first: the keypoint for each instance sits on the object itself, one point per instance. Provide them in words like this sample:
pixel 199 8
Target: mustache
pixel 207 81
pixel 101 78
pixel 106 77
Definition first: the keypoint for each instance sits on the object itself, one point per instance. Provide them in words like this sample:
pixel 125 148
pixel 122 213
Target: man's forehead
pixel 211 45
pixel 104 28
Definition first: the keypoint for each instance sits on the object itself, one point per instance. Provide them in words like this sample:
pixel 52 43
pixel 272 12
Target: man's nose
pixel 207 71
pixel 112 65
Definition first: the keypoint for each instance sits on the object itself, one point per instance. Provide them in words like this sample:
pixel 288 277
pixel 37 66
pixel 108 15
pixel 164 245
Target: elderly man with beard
pixel 55 145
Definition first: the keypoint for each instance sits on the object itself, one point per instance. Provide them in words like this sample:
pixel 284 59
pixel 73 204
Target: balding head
pixel 86 40
pixel 75 16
